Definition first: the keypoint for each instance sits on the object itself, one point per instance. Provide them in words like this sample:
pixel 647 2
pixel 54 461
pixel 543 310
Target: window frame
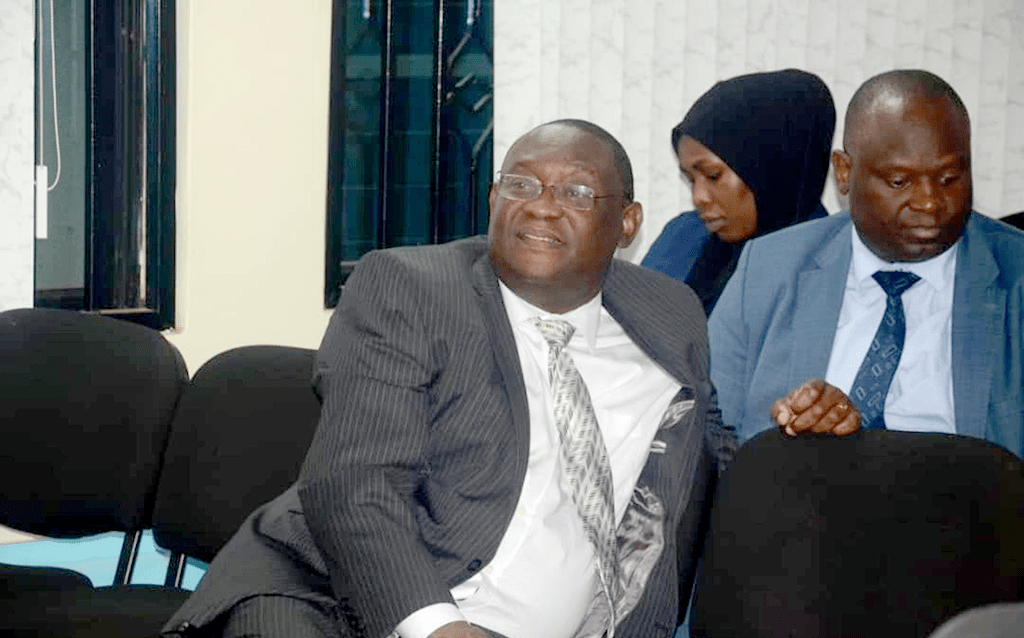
pixel 130 165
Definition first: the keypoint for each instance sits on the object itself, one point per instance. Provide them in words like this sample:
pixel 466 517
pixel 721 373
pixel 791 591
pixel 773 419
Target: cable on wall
pixel 53 85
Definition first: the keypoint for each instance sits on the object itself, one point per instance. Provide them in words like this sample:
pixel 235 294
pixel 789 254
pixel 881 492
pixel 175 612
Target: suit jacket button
pixel 474 565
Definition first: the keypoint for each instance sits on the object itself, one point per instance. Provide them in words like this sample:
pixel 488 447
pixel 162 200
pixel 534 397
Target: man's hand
pixel 459 630
pixel 815 406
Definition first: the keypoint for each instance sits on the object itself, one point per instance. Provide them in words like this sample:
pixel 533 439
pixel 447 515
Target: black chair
pixel 1016 220
pixel 878 534
pixel 86 403
pixel 239 439
pixel 85 407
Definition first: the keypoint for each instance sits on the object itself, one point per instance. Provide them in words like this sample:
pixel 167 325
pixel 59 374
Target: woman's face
pixel 724 201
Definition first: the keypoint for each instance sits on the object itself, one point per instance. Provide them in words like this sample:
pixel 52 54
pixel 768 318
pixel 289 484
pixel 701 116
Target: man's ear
pixel 632 217
pixel 841 164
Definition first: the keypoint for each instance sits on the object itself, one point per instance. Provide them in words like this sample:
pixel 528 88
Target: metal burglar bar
pixel 410 146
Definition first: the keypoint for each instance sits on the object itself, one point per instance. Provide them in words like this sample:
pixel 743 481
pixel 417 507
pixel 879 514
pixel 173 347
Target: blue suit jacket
pixel 422 447
pixel 775 322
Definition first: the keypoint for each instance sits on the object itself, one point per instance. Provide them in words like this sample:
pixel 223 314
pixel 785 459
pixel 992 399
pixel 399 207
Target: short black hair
pixel 622 164
pixel 916 82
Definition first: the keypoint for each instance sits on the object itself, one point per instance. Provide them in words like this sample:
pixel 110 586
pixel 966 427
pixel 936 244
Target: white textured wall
pixel 636 66
pixel 17 152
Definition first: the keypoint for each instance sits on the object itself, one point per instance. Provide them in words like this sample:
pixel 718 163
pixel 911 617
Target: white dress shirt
pixel 920 398
pixel 543 576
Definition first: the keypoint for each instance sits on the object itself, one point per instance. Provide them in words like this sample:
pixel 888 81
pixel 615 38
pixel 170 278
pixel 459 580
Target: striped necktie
pixel 585 457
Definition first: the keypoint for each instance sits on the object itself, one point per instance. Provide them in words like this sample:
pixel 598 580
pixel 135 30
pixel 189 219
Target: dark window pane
pixel 411 120
pixel 61 146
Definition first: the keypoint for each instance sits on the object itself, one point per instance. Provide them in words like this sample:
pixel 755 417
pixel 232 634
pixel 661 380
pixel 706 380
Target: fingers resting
pixel 818 407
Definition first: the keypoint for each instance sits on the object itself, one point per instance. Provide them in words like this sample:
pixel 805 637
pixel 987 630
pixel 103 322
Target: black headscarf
pixel 774 130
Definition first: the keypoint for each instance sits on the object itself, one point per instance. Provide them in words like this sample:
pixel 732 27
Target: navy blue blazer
pixel 417 463
pixel 775 322
pixel 677 248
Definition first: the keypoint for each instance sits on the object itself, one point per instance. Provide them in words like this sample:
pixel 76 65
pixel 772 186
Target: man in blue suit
pixel 806 302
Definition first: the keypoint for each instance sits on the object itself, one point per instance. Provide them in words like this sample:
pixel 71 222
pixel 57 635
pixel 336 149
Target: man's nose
pixel 925 196
pixel 544 205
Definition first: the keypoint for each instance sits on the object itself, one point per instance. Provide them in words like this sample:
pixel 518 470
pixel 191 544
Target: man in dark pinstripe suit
pixel 431 502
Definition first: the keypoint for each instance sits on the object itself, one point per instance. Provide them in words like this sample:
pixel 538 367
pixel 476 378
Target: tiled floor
pixel 96 557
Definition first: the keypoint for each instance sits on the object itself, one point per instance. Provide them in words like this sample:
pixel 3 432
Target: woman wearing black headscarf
pixel 755 151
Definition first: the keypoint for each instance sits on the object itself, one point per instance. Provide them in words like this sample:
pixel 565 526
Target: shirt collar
pixel 586 318
pixel 938 271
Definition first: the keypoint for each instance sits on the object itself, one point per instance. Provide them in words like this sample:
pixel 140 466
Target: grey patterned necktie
pixel 585 457
pixel 871 385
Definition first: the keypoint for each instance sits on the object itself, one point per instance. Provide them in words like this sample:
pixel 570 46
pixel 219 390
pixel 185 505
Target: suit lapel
pixel 819 298
pixel 506 357
pixel 978 318
pixel 674 342
pixel 679 344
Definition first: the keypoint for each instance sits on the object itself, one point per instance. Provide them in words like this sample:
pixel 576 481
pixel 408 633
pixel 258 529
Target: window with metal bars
pixel 411 124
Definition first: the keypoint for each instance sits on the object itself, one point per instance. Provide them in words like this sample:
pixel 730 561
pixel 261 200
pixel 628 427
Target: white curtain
pixel 636 66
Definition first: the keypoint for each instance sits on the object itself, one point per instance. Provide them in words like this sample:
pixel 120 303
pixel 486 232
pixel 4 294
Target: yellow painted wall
pixel 253 86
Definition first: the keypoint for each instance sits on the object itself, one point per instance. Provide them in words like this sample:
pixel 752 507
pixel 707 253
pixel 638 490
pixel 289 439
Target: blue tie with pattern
pixel 586 458
pixel 871 385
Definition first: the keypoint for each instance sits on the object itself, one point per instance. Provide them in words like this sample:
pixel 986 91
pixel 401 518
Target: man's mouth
pixel 924 233
pixel 546 238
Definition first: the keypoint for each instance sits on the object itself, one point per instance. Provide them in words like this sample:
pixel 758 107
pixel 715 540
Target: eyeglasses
pixel 526 189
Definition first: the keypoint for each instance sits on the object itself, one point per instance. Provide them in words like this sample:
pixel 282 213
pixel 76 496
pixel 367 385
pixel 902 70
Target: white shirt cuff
pixel 423 622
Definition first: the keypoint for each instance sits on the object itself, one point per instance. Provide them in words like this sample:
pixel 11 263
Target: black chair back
pixel 238 440
pixel 85 406
pixel 878 534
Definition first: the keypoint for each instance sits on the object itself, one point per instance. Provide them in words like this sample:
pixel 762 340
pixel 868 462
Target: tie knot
pixel 895 282
pixel 555 331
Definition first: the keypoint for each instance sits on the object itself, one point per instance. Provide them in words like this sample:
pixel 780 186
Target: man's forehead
pixel 890 100
pixel 523 162
pixel 568 146
pixel 897 120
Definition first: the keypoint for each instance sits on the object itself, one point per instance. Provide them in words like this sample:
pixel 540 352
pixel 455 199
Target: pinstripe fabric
pixel 416 467
pixel 278 617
